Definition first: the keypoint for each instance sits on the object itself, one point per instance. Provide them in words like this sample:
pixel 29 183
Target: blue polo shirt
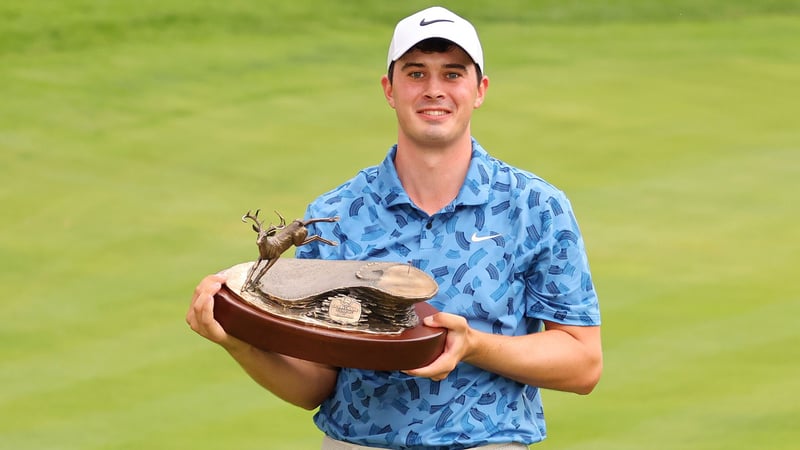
pixel 507 253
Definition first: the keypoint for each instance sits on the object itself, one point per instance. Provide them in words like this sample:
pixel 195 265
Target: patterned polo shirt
pixel 507 253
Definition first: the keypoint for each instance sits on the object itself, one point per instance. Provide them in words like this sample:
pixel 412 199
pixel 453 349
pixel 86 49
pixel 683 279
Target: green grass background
pixel 134 134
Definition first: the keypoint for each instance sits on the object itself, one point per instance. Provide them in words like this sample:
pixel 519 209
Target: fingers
pixel 437 370
pixel 454 324
pixel 453 352
pixel 200 315
pixel 210 284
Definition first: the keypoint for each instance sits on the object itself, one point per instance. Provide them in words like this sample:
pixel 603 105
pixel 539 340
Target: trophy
pixel 359 314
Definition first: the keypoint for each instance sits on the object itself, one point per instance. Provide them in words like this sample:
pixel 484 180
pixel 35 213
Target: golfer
pixel 515 291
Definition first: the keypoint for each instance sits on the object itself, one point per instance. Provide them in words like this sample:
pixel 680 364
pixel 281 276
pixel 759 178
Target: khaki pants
pixel 332 444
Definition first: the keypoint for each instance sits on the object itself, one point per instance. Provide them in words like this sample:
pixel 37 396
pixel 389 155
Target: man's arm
pixel 562 357
pixel 302 383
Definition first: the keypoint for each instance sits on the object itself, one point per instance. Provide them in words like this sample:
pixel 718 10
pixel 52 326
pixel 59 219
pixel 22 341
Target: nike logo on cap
pixel 424 23
pixel 476 238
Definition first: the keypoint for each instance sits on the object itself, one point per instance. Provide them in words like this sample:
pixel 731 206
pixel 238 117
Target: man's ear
pixel 387 90
pixel 482 87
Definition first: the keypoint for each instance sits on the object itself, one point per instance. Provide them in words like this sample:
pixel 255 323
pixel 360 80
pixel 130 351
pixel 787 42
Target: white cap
pixel 435 22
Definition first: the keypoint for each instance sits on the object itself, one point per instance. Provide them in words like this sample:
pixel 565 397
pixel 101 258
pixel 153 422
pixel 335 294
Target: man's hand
pixel 456 347
pixel 200 316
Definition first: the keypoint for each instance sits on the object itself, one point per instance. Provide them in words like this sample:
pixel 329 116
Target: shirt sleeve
pixel 558 282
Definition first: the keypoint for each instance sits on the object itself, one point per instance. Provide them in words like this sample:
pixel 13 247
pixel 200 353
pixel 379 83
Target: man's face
pixel 433 95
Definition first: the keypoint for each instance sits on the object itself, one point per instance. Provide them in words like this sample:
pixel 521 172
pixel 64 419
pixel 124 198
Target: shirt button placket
pixel 426 234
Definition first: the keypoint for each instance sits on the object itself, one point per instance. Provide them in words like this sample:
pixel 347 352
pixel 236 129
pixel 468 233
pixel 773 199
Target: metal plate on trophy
pixel 360 314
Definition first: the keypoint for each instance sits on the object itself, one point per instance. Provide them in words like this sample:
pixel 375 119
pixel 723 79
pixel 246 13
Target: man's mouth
pixel 434 112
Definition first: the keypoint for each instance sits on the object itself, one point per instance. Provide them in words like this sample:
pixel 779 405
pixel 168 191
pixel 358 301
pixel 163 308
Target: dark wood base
pixel 413 348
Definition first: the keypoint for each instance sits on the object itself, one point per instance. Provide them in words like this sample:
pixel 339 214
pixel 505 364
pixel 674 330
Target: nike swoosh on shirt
pixel 424 23
pixel 476 238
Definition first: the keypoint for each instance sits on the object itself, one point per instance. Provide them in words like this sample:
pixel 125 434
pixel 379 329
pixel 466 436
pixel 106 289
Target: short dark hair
pixel 433 45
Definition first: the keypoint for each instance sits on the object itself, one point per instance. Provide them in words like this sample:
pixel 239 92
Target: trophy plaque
pixel 359 314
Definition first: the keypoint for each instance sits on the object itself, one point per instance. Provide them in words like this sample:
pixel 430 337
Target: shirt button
pixel 429 225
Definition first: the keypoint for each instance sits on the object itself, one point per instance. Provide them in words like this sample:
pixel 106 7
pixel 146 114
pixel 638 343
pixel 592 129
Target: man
pixel 515 291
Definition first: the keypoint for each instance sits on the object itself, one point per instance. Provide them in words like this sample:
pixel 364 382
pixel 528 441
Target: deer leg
pixel 317 238
pixel 323 219
pixel 254 282
pixel 248 281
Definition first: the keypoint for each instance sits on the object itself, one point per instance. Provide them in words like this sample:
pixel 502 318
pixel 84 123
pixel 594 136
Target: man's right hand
pixel 200 316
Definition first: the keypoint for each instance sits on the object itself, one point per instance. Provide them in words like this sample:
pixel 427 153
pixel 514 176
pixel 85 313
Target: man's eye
pixel 453 75
pixel 415 74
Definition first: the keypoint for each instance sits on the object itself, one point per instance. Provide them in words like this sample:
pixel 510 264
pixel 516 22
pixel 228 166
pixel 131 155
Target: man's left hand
pixel 456 346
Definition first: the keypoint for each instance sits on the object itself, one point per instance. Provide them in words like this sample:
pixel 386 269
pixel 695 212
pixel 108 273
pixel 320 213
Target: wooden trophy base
pixel 412 348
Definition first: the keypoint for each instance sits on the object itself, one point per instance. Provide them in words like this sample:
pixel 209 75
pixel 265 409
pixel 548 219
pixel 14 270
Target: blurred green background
pixel 134 134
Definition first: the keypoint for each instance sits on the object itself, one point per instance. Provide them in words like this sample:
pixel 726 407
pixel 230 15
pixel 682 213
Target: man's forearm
pixel 564 358
pixel 302 383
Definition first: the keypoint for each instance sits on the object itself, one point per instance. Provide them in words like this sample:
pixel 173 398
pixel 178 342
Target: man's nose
pixel 434 88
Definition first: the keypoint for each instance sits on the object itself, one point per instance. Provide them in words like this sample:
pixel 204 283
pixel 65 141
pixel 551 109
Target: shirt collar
pixel 474 191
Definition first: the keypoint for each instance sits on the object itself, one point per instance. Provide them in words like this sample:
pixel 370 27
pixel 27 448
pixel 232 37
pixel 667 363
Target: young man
pixel 515 291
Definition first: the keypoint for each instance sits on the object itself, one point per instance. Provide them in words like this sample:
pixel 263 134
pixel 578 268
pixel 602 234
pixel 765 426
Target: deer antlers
pixel 258 225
